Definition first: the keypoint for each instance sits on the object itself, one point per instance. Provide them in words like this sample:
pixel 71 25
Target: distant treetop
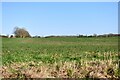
pixel 21 32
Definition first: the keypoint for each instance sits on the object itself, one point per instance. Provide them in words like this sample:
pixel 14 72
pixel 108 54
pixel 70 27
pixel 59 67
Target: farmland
pixel 66 57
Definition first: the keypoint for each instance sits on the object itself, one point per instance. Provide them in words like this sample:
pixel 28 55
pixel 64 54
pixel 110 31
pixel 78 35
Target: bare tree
pixel 21 32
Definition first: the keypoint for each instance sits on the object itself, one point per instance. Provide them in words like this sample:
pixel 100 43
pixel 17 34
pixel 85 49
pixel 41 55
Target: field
pixel 67 57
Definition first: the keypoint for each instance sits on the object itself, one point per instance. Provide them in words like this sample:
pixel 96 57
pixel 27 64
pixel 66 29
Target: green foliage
pixel 63 56
pixel 58 68
pixel 50 50
pixel 117 72
pixel 69 73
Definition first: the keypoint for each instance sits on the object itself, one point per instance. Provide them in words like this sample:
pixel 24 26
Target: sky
pixel 60 18
pixel 60 0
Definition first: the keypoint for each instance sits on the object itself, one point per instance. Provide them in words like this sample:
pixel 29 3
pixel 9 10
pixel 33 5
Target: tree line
pixel 23 33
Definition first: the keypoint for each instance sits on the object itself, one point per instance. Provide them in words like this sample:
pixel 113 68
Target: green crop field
pixel 60 57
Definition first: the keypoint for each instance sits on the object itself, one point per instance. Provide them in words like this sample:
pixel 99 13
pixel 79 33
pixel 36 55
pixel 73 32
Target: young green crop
pixel 50 50
pixel 66 57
